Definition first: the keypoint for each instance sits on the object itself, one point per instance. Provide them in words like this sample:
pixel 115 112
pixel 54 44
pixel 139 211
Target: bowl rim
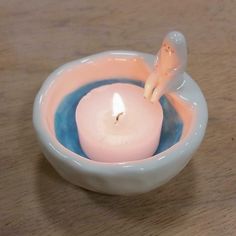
pixel 187 145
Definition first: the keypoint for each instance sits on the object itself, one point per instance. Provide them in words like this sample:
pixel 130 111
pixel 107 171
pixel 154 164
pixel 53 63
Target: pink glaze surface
pixel 117 124
pixel 88 71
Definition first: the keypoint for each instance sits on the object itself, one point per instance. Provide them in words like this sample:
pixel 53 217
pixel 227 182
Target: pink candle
pixel 117 124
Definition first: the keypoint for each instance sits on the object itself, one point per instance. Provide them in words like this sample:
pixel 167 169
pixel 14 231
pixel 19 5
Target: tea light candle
pixel 117 124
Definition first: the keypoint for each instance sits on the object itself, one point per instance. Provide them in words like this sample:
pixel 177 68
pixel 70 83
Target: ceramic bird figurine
pixel 169 67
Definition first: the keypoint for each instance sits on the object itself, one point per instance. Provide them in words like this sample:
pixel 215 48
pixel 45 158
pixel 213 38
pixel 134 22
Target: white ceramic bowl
pixel 117 178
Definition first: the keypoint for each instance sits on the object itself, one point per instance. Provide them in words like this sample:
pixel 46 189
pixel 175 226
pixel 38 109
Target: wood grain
pixel 38 36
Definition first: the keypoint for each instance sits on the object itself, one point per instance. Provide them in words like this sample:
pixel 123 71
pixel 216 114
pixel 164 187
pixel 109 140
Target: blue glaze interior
pixel 65 123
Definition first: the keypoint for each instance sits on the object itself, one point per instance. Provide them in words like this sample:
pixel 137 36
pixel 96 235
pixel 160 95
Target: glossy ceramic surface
pixel 117 178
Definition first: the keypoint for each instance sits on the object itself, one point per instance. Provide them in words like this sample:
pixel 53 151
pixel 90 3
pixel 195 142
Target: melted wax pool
pixel 66 129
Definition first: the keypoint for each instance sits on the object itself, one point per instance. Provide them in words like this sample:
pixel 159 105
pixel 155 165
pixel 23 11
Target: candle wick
pixel 118 117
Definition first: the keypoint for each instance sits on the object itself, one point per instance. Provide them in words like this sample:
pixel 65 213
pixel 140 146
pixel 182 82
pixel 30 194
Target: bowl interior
pixel 86 73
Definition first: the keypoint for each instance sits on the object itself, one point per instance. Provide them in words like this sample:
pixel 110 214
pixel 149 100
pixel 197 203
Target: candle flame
pixel 118 106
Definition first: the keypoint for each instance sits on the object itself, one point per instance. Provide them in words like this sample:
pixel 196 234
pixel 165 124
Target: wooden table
pixel 38 36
